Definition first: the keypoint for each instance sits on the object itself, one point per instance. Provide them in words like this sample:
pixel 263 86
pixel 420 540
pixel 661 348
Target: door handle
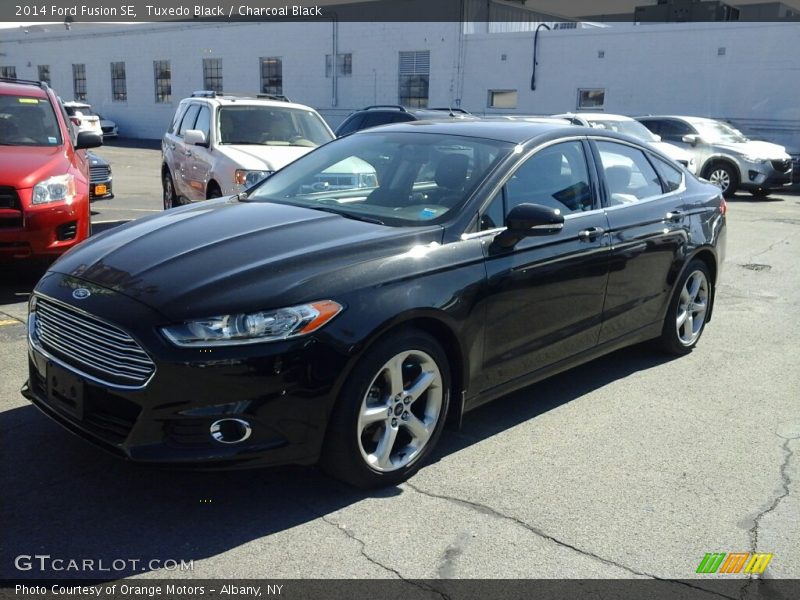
pixel 675 215
pixel 591 233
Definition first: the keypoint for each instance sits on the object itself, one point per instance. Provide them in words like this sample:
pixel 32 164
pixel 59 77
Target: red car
pixel 44 173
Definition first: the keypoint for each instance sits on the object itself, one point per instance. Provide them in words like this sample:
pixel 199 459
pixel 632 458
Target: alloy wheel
pixel 400 411
pixel 721 178
pixel 692 308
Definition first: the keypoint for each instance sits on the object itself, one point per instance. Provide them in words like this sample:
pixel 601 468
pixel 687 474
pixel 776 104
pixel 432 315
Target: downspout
pixel 334 61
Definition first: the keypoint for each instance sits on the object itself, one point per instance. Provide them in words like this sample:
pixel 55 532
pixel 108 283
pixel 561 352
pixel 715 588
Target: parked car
pixel 291 325
pixel 222 144
pixel 384 114
pixel 44 173
pixel 99 178
pixel 630 126
pixel 724 156
pixel 83 117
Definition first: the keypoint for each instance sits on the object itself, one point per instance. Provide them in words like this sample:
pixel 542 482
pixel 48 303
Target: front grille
pixel 91 345
pixel 10 222
pixel 108 129
pixel 796 168
pixel 781 166
pixel 9 198
pixel 99 174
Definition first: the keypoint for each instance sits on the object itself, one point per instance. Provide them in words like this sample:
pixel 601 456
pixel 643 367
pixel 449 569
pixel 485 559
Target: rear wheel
pixel 688 310
pixel 390 413
pixel 724 176
pixel 170 199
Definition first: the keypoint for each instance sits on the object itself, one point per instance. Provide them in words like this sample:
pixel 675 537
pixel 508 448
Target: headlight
pixel 267 326
pixel 250 178
pixel 55 189
pixel 755 159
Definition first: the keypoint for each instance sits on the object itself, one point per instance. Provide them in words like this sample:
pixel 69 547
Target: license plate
pixel 100 189
pixel 64 390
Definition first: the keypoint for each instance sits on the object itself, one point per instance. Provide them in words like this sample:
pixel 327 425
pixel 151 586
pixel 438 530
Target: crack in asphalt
pixel 786 481
pixel 377 563
pixel 772 246
pixel 488 510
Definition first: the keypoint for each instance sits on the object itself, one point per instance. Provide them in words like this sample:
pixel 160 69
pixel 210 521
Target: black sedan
pixel 303 322
pixel 99 178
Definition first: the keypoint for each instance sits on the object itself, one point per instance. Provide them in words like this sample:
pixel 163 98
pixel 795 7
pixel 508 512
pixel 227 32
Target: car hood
pixel 224 256
pixel 673 152
pixel 258 157
pixel 765 150
pixel 25 166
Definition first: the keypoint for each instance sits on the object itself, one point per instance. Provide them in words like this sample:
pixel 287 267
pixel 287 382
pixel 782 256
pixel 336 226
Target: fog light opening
pixel 230 431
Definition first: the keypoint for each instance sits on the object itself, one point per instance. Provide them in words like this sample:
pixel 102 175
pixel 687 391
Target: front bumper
pixel 765 175
pixel 101 190
pixel 282 390
pixel 41 230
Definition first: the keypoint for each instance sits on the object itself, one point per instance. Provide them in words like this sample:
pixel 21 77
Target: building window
pixel 163 81
pixel 415 68
pixel 119 86
pixel 271 75
pixel 344 65
pixel 44 73
pixel 212 74
pixel 9 72
pixel 79 82
pixel 502 98
pixel 593 99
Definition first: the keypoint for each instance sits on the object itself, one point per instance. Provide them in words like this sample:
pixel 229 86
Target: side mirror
pixel 88 139
pixel 692 138
pixel 195 137
pixel 527 220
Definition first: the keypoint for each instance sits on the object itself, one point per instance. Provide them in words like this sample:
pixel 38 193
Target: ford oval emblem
pixel 81 294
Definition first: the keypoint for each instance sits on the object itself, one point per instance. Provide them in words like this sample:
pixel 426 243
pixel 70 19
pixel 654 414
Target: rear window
pixel 27 121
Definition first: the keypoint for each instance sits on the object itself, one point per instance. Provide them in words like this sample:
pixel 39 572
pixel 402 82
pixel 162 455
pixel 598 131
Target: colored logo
pixel 81 294
pixel 735 562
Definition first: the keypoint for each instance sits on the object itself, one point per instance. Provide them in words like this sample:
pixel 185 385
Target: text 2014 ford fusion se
pixel 316 319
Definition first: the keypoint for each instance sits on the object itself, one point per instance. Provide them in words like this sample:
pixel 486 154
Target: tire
pixel 761 193
pixel 213 191
pixel 390 413
pixel 170 199
pixel 724 176
pixel 688 310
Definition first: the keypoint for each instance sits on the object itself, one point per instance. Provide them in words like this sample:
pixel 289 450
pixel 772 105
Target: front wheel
pixel 170 198
pixel 688 310
pixel 725 177
pixel 390 413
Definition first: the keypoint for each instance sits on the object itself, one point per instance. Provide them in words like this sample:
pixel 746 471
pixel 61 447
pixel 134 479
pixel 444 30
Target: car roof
pixel 516 132
pixel 75 104
pixel 687 118
pixel 596 116
pixel 22 89
pixel 232 100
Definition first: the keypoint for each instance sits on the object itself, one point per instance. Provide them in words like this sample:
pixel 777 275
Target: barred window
pixel 344 65
pixel 163 81
pixel 271 75
pixel 79 82
pixel 212 74
pixel 415 68
pixel 44 73
pixel 119 85
pixel 10 72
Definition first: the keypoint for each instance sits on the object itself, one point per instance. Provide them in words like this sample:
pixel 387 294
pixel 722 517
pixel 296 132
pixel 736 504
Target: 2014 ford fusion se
pixel 311 320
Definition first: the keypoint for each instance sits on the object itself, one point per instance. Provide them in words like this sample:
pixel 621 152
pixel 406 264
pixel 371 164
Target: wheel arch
pixel 707 255
pixel 720 159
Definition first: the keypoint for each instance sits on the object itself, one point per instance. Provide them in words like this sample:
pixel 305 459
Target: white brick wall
pixel 646 69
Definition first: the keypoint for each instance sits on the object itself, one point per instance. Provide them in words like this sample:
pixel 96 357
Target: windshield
pixel 272 126
pixel 26 121
pixel 399 179
pixel 632 128
pixel 717 132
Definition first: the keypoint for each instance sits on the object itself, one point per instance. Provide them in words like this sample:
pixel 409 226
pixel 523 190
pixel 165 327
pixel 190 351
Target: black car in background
pixel 345 326
pixel 384 114
pixel 99 178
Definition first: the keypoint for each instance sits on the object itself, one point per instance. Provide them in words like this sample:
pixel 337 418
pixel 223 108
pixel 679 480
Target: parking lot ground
pixel 634 465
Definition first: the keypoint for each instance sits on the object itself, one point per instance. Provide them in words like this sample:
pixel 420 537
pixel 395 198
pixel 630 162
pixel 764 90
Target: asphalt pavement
pixel 634 465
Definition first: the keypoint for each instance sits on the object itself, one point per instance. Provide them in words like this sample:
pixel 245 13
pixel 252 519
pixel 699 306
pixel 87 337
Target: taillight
pixel 723 206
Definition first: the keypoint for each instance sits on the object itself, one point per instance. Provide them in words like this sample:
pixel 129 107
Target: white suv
pixel 221 144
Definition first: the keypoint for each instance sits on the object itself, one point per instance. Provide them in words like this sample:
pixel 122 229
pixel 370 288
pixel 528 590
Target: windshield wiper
pixel 347 215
